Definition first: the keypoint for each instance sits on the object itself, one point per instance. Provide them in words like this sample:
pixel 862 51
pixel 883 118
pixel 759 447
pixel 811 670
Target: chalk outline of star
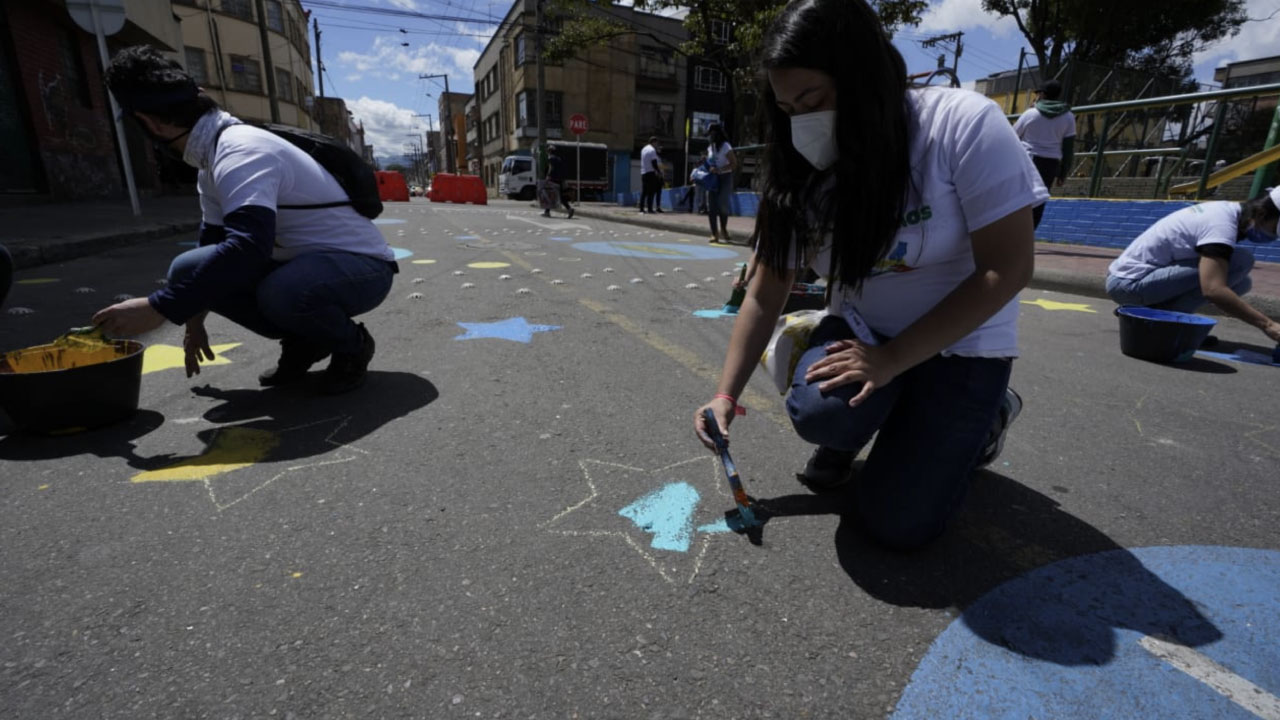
pixel 594 493
pixel 1052 305
pixel 474 330
pixel 345 419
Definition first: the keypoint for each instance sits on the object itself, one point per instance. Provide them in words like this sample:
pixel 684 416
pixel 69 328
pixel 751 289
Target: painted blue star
pixel 516 328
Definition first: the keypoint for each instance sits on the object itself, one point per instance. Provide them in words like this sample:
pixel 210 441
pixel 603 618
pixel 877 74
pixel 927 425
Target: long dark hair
pixel 715 137
pixel 844 39
pixel 1260 208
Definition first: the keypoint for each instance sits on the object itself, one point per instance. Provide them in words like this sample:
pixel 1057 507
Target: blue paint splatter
pixel 667 513
pixel 562 239
pixel 401 253
pixel 388 221
pixel 657 251
pixel 465 237
pixel 517 329
pixel 719 526
pixel 1245 356
pixel 726 311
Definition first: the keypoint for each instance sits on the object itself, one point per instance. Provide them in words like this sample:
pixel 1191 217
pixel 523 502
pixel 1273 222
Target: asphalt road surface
pixel 513 519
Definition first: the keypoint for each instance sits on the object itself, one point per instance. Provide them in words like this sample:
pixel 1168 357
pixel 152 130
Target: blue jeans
pixel 718 204
pixel 1177 287
pixel 933 422
pixel 312 297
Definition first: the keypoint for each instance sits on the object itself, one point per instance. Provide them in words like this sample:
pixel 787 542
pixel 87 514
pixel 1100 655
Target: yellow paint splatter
pixel 37 281
pixel 423 262
pixel 1055 305
pixel 167 357
pixel 488 265
pixel 295 575
pixel 43 487
pixel 232 448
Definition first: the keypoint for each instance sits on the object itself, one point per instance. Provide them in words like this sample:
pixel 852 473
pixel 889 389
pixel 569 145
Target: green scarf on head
pixel 1052 108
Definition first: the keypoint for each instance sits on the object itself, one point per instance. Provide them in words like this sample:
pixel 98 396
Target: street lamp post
pixel 446 122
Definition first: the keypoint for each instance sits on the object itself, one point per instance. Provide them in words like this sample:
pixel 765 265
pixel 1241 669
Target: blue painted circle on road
pixel 1083 638
pixel 656 251
pixel 401 253
pixel 388 221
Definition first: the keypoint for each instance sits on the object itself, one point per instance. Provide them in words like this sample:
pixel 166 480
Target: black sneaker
pixel 570 213
pixel 827 469
pixel 1009 410
pixel 347 371
pixel 296 358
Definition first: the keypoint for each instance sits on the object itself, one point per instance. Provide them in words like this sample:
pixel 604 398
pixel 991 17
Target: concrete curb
pixel 28 254
pixel 656 222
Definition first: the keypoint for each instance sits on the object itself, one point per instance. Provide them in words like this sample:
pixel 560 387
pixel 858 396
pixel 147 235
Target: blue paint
pixel 1147 313
pixel 466 237
pixel 719 526
pixel 517 329
pixel 667 513
pixel 1244 356
pixel 562 239
pixel 401 253
pixel 388 221
pixel 1063 640
pixel 726 311
pixel 656 251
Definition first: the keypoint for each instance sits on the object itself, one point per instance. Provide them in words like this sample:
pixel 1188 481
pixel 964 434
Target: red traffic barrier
pixel 391 186
pixel 447 187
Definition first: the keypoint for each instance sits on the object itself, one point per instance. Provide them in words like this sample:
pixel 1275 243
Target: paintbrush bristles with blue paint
pixel 735 483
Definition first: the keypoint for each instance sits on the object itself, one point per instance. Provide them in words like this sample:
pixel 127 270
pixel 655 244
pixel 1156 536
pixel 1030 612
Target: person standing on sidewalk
pixel 555 174
pixel 651 177
pixel 916 203
pixel 298 275
pixel 1193 256
pixel 1048 132
pixel 722 162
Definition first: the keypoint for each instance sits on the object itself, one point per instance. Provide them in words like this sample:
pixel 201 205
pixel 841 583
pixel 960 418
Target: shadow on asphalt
pixel 1004 531
pixel 302 424
pixel 1203 365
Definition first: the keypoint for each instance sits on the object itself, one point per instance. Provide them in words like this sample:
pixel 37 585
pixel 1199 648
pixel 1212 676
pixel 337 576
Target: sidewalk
pixel 1078 269
pixel 38 234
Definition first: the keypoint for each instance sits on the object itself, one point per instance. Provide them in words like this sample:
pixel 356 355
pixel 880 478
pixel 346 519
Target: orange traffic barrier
pixel 391 186
pixel 447 187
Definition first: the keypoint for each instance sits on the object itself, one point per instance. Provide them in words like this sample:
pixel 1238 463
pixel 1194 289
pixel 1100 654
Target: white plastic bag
pixel 790 340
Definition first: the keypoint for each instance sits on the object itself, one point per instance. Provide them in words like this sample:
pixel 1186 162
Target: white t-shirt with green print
pixel 968 170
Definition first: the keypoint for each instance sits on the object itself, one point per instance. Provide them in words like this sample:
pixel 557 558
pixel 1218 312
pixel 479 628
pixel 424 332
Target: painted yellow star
pixel 167 357
pixel 1055 305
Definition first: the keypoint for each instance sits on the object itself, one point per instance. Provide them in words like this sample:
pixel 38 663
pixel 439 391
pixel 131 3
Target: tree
pixel 1159 37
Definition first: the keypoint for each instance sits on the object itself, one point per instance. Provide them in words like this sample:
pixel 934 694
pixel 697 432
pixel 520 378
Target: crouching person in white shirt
pixel 916 203
pixel 297 274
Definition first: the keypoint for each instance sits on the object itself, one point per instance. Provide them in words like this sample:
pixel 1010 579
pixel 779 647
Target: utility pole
pixel 446 130
pixel 266 60
pixel 319 63
pixel 540 152
pixel 953 37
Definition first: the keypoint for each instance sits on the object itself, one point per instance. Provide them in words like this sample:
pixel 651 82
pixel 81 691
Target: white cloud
pixel 404 4
pixel 1256 39
pixel 952 15
pixel 387 57
pixel 352 77
pixel 386 126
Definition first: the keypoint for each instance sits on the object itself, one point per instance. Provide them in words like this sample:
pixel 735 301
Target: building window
pixel 72 68
pixel 656 63
pixel 527 117
pixel 275 18
pixel 242 9
pixel 701 121
pixel 245 74
pixel 284 85
pixel 302 91
pixel 195 65
pixel 708 79
pixel 719 32
pixel 656 119
pixel 520 55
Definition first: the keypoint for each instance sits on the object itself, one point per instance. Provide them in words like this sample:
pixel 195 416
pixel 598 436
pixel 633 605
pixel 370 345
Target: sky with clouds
pixel 373 60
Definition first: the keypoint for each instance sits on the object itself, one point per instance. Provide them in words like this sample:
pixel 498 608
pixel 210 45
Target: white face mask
pixel 814 136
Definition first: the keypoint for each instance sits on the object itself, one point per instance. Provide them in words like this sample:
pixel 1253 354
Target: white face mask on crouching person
pixel 814 136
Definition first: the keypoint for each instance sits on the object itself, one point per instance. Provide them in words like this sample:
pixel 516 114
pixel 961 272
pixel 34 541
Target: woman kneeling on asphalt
pixel 916 204
pixel 1193 256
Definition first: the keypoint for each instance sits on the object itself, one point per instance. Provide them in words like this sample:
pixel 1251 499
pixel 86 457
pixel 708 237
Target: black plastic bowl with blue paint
pixel 1162 336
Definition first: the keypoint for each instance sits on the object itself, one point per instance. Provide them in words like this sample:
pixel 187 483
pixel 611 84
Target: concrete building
pixel 1246 73
pixel 473 158
pixel 631 88
pixel 452 109
pixel 222 49
pixel 59 140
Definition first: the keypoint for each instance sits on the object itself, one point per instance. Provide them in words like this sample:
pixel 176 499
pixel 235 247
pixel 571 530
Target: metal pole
pixel 1273 135
pixel 319 62
pixel 1017 82
pixel 1218 118
pixel 578 173
pixel 539 153
pixel 115 113
pixel 449 158
pixel 266 60
pixel 1095 183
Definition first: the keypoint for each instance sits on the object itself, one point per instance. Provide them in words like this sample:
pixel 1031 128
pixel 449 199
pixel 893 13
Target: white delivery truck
pixel 517 181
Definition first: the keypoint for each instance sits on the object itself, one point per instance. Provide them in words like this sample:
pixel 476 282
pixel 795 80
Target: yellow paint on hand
pixel 1055 305
pixel 232 448
pixel 488 265
pixel 167 357
pixel 423 262
pixel 37 281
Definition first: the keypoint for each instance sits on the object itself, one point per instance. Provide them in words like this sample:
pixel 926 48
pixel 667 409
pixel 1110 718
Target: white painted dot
pixel 524 291
pixel 636 281
pixel 467 286
pixel 459 272
pixel 122 297
pixel 614 287
pixel 15 310
pixel 83 290
pixel 692 286
pixel 608 269
pixel 557 282
pixel 418 281
pixel 416 296
pixel 587 275
pixel 659 274
pixel 504 277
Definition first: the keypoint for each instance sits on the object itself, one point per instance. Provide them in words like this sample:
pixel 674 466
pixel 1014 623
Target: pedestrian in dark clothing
pixel 650 177
pixel 1048 132
pixel 555 174
pixel 6 273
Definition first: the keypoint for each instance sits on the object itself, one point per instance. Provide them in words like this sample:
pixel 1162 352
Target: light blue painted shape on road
pixel 1062 641
pixel 1252 357
pixel 516 328
pixel 388 221
pixel 401 253
pixel 656 251
pixel 561 239
pixel 667 513
pixel 719 526
pixel 466 237
pixel 713 313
